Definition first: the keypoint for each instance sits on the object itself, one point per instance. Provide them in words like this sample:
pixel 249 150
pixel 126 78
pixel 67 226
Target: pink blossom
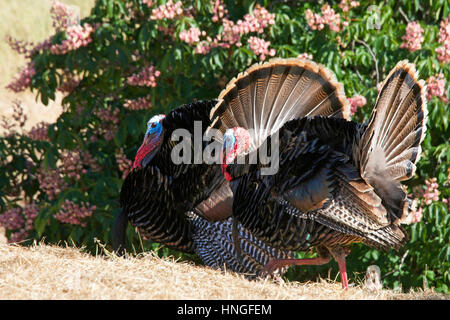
pixel 436 87
pixel 124 164
pixel 149 3
pixel 146 77
pixel 328 17
pixel 39 131
pixel 431 192
pixel 168 31
pixel 139 103
pixel 72 167
pixel 30 212
pixel 219 11
pixel 51 182
pixel 203 47
pixel 19 220
pixel 413 38
pixel 418 215
pixel 16 121
pixel 428 194
pixel 357 101
pixel 77 36
pixel 346 5
pixel 63 16
pixel 256 21
pixel 20 46
pixel 12 219
pixel 231 33
pixel 19 115
pixel 27 48
pixel 315 21
pixel 89 161
pixel 192 35
pixel 72 164
pixel 74 213
pixel 109 125
pixel 305 55
pixel 108 115
pixel 8 127
pixel 331 18
pixel 22 80
pixel 447 201
pixel 69 83
pixel 443 52
pixel 260 47
pixel 167 11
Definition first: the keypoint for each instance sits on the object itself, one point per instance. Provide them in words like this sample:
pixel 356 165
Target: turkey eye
pixel 153 125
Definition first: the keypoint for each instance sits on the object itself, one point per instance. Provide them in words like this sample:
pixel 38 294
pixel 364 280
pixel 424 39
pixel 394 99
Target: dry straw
pixel 52 272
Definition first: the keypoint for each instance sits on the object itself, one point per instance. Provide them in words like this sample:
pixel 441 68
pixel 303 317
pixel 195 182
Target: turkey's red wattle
pixel 143 150
pixel 226 174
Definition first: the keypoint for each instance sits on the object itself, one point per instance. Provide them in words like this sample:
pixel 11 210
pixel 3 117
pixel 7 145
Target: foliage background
pixel 86 152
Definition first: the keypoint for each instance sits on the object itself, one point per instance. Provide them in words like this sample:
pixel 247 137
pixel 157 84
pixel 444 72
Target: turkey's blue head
pixel 235 142
pixel 152 140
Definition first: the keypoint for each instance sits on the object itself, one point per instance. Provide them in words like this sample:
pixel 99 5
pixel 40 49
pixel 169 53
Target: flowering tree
pixel 131 59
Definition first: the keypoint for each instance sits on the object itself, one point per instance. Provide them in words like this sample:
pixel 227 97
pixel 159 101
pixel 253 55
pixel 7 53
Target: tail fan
pixel 389 148
pixel 267 95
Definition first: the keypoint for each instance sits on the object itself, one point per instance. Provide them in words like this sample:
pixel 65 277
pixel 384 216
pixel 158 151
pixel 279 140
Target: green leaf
pixel 50 158
pixel 41 221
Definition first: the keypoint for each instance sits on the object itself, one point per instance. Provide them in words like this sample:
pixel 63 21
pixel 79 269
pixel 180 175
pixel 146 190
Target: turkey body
pixel 155 198
pixel 317 197
pixel 188 207
pixel 338 181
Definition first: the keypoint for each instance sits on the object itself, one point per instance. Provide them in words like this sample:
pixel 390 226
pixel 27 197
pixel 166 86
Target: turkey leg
pixel 338 254
pixel 275 264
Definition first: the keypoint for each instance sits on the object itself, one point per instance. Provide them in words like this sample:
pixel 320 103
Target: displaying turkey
pixel 338 182
pixel 157 196
pixel 157 193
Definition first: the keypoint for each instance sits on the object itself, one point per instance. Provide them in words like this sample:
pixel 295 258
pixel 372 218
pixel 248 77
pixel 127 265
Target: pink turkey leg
pixel 273 265
pixel 339 255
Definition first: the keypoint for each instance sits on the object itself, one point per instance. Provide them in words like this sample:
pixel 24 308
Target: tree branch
pixel 373 58
pixel 403 14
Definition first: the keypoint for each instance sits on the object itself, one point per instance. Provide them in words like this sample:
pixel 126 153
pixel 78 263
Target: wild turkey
pixel 338 181
pixel 160 210
pixel 157 196
pixel 157 193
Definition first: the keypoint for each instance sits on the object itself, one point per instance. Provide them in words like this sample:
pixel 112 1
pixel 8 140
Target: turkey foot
pixel 339 255
pixel 273 265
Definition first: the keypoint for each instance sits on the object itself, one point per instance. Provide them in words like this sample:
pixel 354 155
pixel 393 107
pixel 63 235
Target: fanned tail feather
pixel 267 95
pixel 390 146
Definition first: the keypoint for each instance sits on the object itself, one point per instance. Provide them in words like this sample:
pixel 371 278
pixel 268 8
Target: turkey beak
pixel 145 153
